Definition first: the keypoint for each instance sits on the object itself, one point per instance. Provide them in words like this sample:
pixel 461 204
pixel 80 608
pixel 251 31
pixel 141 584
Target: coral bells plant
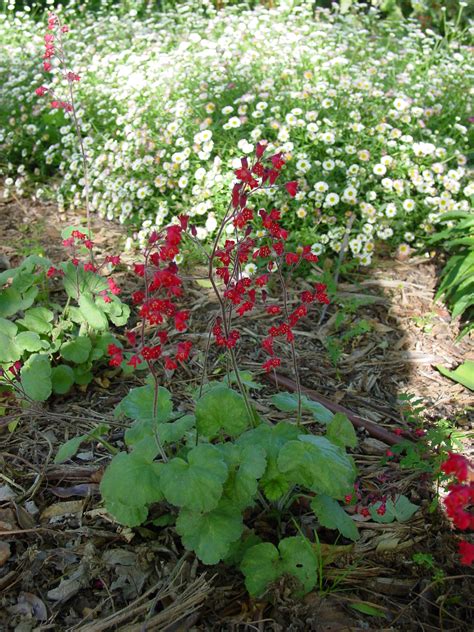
pixel 56 65
pixel 460 500
pixel 48 346
pixel 157 308
pixel 222 466
pixel 255 256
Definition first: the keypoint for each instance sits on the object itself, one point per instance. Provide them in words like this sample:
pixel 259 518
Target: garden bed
pixel 65 564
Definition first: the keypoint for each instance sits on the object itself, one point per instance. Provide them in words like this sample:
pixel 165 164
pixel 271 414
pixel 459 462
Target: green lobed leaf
pixel 78 281
pixel 262 564
pixel 332 516
pixel 82 375
pixel 130 484
pixel 76 350
pixel 260 567
pixel 271 439
pixel 239 548
pixel 12 301
pixel 143 435
pixel 117 311
pixel 299 559
pixel 62 377
pixel 246 465
pixel 246 377
pixel 36 377
pixel 9 349
pixel 288 402
pixel 341 432
pixel 221 410
pixel 8 327
pixel 29 341
pixel 211 534
pixel 400 509
pixel 197 483
pixel 318 464
pixel 37 319
pixel 139 404
pixel 93 314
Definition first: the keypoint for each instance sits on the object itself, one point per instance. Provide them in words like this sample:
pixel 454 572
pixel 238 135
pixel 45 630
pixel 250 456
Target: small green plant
pixel 50 340
pixel 433 444
pixel 344 329
pixel 218 470
pixel 426 560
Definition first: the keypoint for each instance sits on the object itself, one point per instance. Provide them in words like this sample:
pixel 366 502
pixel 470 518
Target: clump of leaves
pixel 47 344
pixel 219 468
pixel 457 277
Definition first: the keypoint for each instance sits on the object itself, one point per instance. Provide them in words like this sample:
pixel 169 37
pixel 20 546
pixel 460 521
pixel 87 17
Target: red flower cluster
pixel 241 293
pixel 460 499
pixel 156 304
pixel 55 31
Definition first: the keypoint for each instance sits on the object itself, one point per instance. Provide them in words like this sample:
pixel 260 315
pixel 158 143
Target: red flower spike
pixel 291 258
pixel 273 309
pixel 134 361
pixel 277 161
pixel 260 150
pixel 170 364
pixel 131 337
pixel 270 364
pixel 466 551
pixel 456 464
pixel 292 187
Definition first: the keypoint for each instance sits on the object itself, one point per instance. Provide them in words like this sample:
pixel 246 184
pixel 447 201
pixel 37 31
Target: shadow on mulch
pixel 65 565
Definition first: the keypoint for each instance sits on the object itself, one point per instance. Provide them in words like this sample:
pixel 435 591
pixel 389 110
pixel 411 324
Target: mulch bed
pixel 66 565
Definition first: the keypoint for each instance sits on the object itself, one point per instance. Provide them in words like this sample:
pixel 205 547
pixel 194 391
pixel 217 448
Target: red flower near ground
pixel 466 551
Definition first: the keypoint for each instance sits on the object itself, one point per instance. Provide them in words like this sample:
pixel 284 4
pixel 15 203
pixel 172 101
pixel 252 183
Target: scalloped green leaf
pixel 29 341
pixel 93 314
pixel 197 483
pixel 341 432
pixel 12 301
pixel 63 378
pixel 37 319
pixel 400 509
pixel 143 435
pixel 36 377
pixel 76 350
pixel 210 534
pixel 271 439
pixel 221 410
pixel 246 466
pixel 263 564
pixel 129 486
pixel 318 464
pixel 139 404
pixel 332 516
pixel 9 349
pixel 288 402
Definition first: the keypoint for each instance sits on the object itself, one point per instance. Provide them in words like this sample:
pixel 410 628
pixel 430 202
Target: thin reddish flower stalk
pixel 292 344
pixel 225 323
pixel 150 365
